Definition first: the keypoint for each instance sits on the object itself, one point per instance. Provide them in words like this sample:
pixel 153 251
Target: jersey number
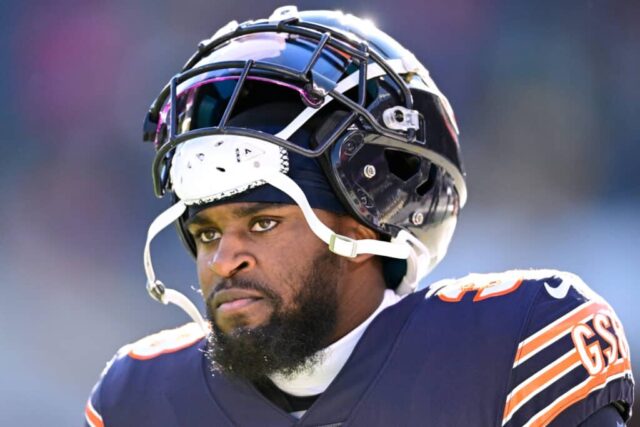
pixel 482 291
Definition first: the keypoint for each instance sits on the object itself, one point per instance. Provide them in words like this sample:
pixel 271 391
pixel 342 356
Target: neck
pixel 361 292
pixel 316 378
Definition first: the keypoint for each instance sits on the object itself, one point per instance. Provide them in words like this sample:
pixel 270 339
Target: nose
pixel 231 256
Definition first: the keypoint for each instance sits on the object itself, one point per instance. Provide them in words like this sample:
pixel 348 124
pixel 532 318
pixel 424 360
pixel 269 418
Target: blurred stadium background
pixel 546 94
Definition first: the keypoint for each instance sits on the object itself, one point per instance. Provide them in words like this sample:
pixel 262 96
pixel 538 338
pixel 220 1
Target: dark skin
pixel 273 244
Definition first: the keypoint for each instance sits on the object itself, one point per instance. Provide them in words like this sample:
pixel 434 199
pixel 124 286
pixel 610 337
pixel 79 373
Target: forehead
pixel 238 210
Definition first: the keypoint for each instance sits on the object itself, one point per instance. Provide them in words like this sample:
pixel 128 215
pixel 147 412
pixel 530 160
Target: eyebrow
pixel 239 212
pixel 252 209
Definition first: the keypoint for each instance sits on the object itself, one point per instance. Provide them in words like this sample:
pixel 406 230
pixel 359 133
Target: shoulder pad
pixel 117 379
pixel 121 389
pixel 487 285
pixel 572 356
pixel 163 342
pixel 482 285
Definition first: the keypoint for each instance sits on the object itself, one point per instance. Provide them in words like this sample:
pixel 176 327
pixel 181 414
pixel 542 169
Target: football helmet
pixel 348 96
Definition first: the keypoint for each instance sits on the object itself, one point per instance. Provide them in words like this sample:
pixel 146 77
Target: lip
pixel 229 299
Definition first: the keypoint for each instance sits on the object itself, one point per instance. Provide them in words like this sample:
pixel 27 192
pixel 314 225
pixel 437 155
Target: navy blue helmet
pixel 324 102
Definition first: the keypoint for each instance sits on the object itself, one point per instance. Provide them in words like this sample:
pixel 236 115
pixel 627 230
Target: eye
pixel 208 236
pixel 264 224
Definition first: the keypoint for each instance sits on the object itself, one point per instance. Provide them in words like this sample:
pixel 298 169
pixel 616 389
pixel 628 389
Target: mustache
pixel 246 284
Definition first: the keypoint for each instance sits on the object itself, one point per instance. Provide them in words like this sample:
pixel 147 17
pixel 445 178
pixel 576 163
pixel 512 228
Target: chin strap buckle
pixel 156 290
pixel 343 245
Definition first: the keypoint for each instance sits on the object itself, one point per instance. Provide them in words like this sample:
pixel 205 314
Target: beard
pixel 290 341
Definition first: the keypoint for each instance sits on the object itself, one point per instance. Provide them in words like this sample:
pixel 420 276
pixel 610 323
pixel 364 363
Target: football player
pixel 315 176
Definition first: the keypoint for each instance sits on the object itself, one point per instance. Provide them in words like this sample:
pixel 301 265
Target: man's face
pixel 270 286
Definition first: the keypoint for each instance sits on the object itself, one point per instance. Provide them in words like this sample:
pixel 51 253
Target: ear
pixel 349 227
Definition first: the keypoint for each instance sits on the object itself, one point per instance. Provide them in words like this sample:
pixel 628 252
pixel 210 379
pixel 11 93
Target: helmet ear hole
pixel 402 165
pixel 427 185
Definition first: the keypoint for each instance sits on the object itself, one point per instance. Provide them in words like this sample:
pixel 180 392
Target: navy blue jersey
pixel 519 348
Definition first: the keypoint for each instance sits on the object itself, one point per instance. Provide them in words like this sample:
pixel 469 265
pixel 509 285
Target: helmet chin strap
pixel 419 262
pixel 155 287
pixel 404 246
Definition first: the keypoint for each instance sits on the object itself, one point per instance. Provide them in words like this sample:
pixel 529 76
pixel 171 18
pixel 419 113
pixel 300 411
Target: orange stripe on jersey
pixel 538 382
pixel 556 330
pixel 93 417
pixel 579 392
